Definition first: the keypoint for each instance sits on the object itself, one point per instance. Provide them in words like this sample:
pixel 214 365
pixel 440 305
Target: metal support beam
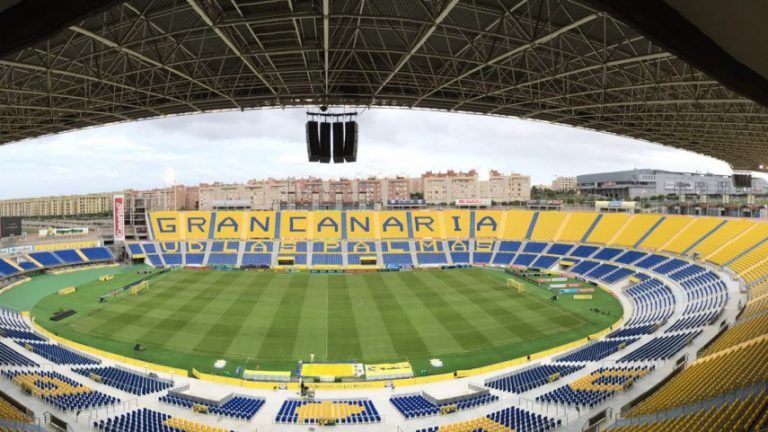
pixel 418 44
pixel 228 41
pixel 326 42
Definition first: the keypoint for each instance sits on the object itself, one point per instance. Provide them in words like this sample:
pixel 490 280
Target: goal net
pixel 515 284
pixel 136 289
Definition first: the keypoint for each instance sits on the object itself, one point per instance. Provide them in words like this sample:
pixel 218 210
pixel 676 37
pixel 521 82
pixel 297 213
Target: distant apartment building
pixel 447 187
pixel 564 184
pixel 172 198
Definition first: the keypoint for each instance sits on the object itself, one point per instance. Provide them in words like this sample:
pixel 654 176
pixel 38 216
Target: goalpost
pixel 516 284
pixel 136 289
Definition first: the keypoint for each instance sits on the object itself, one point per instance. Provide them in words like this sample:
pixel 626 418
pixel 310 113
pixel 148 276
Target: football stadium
pixel 488 315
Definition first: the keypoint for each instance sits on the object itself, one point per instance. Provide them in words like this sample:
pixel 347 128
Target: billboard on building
pixel 10 226
pixel 118 217
pixel 473 202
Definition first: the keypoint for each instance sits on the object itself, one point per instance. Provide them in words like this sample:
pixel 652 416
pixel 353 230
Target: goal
pixel 142 286
pixel 512 283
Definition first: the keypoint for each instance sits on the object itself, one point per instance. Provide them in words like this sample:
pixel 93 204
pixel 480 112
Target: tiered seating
pixel 483 251
pixel 653 301
pixel 9 357
pixel 601 271
pixel 328 411
pixel 638 226
pixel 7 269
pixel 459 250
pixel 430 252
pixel 651 261
pixel 755 307
pixel 742 332
pixel 28 266
pixel 97 254
pixel 135 249
pixel 576 227
pixel 59 355
pixel 69 256
pixel 667 229
pixel 20 335
pixel 145 420
pixel 547 225
pixel 595 388
pixel 506 253
pixel 692 233
pixel 239 407
pixel 60 391
pixel 124 380
pixel 224 253
pixel 617 276
pixel 396 253
pixel 746 414
pixel 584 267
pixel 46 259
pixel 9 412
pixel 741 244
pixel 416 405
pixel 692 321
pixel 360 249
pixel 630 257
pixel 584 251
pixel 609 226
pixel 257 254
pixel 633 331
pixel 524 260
pixel 559 249
pixel 508 419
pixel 544 262
pixel 711 376
pixel 327 253
pixel 597 351
pixel 660 348
pixel 529 379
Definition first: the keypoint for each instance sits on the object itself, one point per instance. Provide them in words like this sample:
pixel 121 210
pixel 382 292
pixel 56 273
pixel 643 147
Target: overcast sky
pixel 238 146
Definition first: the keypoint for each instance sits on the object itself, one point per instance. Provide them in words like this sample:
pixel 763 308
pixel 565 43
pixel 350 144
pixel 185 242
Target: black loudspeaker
pixel 338 142
pixel 350 141
pixel 325 142
pixel 313 142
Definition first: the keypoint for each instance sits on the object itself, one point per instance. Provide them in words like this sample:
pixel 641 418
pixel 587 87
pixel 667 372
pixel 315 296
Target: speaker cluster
pixel 331 139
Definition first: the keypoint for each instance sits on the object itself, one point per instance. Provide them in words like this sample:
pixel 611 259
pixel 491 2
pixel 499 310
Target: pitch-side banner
pixel 118 212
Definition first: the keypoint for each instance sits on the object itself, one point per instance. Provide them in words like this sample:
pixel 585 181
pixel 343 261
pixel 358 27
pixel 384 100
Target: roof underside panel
pixel 553 60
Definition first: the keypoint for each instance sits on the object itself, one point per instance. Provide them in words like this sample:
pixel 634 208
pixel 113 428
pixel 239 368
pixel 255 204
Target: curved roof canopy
pixel 598 64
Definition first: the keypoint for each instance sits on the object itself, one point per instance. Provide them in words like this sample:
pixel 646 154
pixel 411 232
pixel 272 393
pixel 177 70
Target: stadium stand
pixel 59 355
pixel 234 406
pixel 597 350
pixel 146 420
pixel 60 391
pixel 596 387
pixel 124 380
pixel 507 419
pixel 744 414
pixel 417 405
pixel 10 412
pixel 328 412
pixel 9 357
pixel 529 379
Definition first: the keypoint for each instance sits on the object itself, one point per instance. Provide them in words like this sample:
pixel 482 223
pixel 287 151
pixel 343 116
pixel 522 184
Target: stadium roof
pixel 678 72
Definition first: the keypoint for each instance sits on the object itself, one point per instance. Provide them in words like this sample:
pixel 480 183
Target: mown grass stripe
pixel 449 317
pixel 404 336
pixel 343 338
pixel 172 324
pixel 126 311
pixel 282 331
pixel 508 318
pixel 219 336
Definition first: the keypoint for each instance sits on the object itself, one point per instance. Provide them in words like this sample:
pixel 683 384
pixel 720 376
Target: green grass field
pixel 189 319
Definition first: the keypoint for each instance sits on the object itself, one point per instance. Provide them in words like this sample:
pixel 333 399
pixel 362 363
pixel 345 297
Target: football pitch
pixel 268 320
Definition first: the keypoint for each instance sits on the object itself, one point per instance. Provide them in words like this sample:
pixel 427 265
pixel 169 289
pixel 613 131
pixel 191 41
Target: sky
pixel 238 146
